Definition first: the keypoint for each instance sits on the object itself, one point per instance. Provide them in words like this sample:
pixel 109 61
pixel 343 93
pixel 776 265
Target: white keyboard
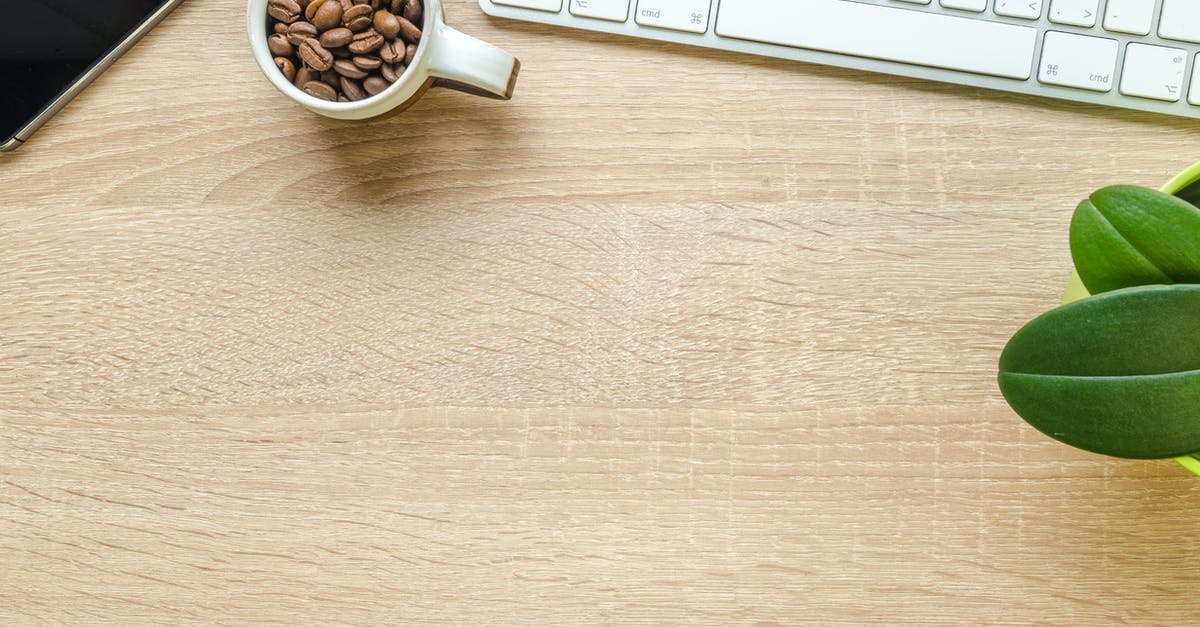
pixel 1137 54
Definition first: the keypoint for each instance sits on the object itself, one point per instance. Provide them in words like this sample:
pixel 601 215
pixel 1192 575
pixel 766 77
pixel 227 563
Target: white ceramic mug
pixel 445 58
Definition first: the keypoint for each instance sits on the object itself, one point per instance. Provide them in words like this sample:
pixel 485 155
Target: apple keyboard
pixel 1136 54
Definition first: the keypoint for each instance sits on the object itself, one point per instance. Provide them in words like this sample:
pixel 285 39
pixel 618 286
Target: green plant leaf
pixel 1124 236
pixel 1117 373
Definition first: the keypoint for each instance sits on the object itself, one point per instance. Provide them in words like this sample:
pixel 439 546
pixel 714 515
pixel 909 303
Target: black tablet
pixel 51 49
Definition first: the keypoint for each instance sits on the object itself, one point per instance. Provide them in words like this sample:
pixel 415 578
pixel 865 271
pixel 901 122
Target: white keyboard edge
pixel 711 40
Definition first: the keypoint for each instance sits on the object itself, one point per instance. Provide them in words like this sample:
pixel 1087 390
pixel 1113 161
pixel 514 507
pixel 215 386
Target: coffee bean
pixel 280 46
pixel 346 68
pixel 328 16
pixel 352 89
pixel 358 18
pixel 391 51
pixel 409 31
pixel 305 74
pixel 366 41
pixel 336 37
pixel 286 66
pixel 300 31
pixel 367 63
pixel 386 24
pixel 346 50
pixel 286 11
pixel 412 11
pixel 320 90
pixel 314 55
pixel 389 73
pixel 374 85
pixel 331 78
pixel 311 10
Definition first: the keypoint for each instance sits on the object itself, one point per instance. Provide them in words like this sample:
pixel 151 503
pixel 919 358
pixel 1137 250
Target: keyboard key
pixel 1129 16
pixel 880 32
pixel 1028 9
pixel 1194 94
pixel 1078 61
pixel 1180 20
pixel 1074 12
pixel 541 5
pixel 1153 72
pixel 967 5
pixel 614 10
pixel 684 15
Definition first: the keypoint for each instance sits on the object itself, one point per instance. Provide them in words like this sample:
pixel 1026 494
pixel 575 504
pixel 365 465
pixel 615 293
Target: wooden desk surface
pixel 675 336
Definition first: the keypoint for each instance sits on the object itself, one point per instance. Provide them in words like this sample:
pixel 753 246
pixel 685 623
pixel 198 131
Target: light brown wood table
pixel 674 336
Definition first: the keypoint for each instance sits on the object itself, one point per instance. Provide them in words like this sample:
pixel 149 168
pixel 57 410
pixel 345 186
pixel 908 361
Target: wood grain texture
pixel 675 336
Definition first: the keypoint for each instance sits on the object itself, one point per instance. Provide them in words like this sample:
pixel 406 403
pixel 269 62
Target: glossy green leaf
pixel 1124 236
pixel 1117 373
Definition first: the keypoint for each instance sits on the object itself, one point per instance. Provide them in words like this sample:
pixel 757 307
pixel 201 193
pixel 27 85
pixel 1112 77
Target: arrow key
pixel 1074 12
pixel 1153 72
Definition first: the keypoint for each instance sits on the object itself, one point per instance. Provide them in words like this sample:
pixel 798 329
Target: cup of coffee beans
pixel 355 59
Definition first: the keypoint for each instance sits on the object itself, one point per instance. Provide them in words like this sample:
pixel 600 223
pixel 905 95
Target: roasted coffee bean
pixel 386 24
pixel 310 11
pixel 374 85
pixel 286 66
pixel 358 18
pixel 391 51
pixel 305 74
pixel 286 11
pixel 346 68
pixel 412 11
pixel 328 16
pixel 280 46
pixel 365 42
pixel 346 50
pixel 336 37
pixel 314 55
pixel 320 90
pixel 300 31
pixel 409 31
pixel 331 78
pixel 367 63
pixel 388 71
pixel 352 89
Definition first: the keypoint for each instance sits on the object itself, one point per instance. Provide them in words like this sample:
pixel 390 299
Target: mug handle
pixel 461 62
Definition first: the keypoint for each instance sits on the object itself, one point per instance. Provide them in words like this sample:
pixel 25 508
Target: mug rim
pixel 409 84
